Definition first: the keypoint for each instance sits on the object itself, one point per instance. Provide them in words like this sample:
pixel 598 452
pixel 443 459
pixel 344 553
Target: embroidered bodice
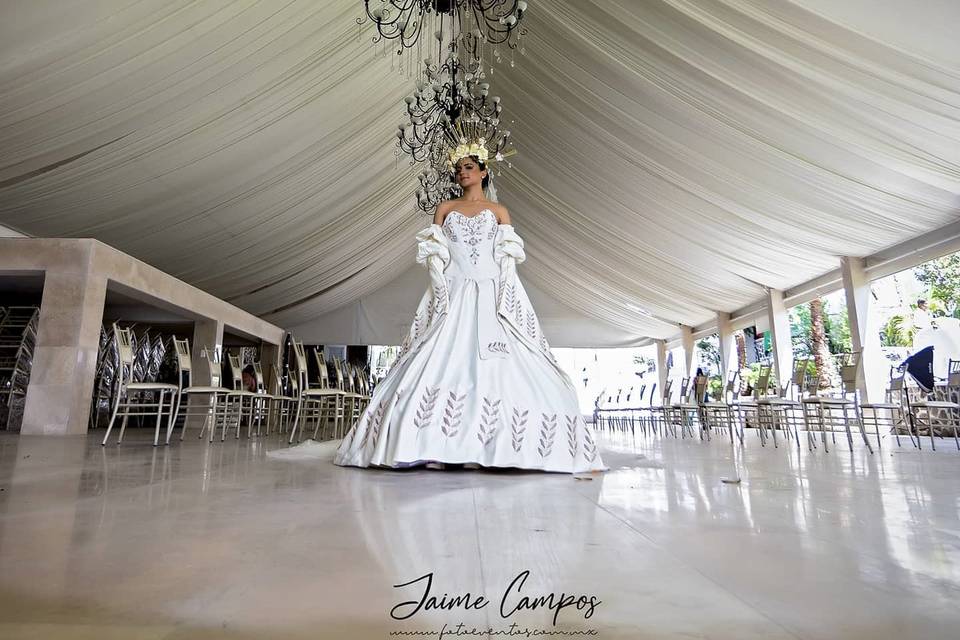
pixel 471 243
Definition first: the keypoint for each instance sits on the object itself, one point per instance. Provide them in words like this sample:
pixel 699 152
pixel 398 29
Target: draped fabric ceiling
pixel 676 156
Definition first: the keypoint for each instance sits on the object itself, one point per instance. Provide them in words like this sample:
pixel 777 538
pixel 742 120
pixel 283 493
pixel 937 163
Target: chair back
pixel 236 372
pixel 897 387
pixel 338 373
pixel 184 363
pixel 258 376
pixel 684 389
pixel 126 356
pixel 124 345
pixel 653 393
pixel 299 367
pixel 953 373
pixel 216 376
pixel 763 382
pixel 849 370
pixel 700 385
pixel 323 373
pixel 665 396
pixel 732 387
pixel 799 379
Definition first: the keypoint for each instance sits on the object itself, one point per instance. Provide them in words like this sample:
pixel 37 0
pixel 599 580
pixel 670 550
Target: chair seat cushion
pixel 934 404
pixel 203 389
pixel 780 402
pixel 151 386
pixel 236 393
pixel 880 405
pixel 323 392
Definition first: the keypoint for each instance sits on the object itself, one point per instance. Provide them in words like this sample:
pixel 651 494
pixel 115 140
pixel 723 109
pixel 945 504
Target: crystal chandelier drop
pixel 477 21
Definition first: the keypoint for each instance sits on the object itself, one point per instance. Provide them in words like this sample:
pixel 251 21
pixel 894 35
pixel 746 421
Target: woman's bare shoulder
pixel 503 216
pixel 443 209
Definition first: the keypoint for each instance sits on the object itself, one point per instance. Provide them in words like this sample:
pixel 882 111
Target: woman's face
pixel 468 172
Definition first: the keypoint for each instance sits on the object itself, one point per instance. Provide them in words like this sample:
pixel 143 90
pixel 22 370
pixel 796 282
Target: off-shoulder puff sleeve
pixel 508 244
pixel 431 242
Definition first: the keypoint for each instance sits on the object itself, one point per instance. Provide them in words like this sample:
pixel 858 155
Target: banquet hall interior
pixel 741 226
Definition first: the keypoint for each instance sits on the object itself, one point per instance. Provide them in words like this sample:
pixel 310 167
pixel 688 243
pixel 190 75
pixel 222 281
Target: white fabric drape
pixel 676 156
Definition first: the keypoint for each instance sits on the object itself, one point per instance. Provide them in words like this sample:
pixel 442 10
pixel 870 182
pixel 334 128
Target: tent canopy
pixel 676 157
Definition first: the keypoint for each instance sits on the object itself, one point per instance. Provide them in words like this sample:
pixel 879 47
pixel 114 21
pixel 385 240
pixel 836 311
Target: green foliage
pixel 715 387
pixel 896 333
pixel 942 276
pixel 751 375
pixel 710 352
pixel 835 326
pixel 800 331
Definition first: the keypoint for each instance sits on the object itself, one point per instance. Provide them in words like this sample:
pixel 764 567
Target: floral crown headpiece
pixel 477 149
pixel 465 149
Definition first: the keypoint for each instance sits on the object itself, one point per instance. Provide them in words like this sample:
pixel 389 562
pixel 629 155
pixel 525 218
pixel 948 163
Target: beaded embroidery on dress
pixel 475 381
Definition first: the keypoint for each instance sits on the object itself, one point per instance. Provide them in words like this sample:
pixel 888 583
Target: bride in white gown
pixel 475 382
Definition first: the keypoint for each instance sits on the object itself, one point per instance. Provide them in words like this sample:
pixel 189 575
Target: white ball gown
pixel 475 381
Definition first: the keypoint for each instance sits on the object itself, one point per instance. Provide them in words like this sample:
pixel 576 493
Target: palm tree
pixel 818 339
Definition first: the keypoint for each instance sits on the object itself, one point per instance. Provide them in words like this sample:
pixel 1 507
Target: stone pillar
pixel 65 357
pixel 207 334
pixel 863 333
pixel 780 336
pixel 728 345
pixel 686 341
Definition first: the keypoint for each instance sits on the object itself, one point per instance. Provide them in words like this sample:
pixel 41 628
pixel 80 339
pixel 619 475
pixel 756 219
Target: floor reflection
pixel 219 537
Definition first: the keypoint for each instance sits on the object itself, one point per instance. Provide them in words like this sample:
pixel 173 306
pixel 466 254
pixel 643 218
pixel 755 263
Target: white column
pixel 686 342
pixel 780 336
pixel 65 356
pixel 207 334
pixel 863 335
pixel 728 345
pixel 662 372
pixel 269 363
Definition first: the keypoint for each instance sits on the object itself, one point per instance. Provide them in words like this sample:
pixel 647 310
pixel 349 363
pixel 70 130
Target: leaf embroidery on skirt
pixel 453 414
pixel 589 445
pixel 572 435
pixel 519 427
pixel 531 325
pixel 548 429
pixel 510 300
pixel 498 347
pixel 488 421
pixel 377 428
pixel 374 424
pixel 428 403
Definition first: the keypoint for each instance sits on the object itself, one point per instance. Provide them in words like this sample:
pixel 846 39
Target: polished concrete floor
pixel 206 541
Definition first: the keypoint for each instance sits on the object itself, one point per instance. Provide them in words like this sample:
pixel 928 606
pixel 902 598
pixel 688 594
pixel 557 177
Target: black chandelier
pixel 475 21
pixel 453 96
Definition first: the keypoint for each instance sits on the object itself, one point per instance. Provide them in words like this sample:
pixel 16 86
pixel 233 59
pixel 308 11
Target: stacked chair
pixel 18 338
pixel 319 403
